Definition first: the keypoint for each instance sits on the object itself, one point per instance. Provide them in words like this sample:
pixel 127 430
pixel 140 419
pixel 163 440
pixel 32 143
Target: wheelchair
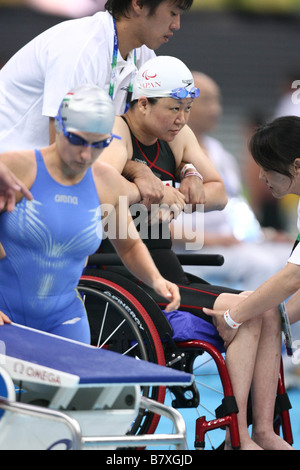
pixel 125 319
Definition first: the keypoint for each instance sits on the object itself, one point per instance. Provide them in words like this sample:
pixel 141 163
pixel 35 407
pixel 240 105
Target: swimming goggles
pixel 75 139
pixel 181 93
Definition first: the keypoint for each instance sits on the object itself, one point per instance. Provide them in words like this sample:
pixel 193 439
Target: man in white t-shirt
pixel 75 52
pixel 104 50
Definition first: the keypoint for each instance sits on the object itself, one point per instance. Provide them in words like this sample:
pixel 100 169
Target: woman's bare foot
pixel 246 444
pixel 271 441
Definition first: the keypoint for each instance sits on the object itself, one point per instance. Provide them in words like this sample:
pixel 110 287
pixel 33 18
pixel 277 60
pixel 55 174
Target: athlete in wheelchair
pixel 57 240
pixel 154 133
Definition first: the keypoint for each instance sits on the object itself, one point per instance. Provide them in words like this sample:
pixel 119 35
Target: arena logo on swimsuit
pixel 66 199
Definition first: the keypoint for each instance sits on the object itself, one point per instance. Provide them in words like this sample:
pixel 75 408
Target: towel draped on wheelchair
pixel 187 326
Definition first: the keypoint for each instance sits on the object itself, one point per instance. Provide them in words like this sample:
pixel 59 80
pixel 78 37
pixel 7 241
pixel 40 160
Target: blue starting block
pixel 74 395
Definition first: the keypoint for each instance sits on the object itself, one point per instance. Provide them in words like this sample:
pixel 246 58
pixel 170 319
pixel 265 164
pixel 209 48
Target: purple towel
pixel 187 326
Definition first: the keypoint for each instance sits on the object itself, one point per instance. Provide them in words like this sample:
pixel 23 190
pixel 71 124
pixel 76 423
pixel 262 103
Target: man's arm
pixel 52 131
pixel 150 187
pixel 119 154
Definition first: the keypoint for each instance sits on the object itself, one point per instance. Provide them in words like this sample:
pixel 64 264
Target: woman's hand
pixel 168 290
pixel 226 333
pixel 4 319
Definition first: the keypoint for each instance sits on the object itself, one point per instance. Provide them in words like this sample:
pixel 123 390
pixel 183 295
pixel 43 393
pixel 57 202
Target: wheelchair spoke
pixel 112 334
pixel 130 349
pixel 209 360
pixel 202 384
pixel 206 409
pixel 102 325
pixel 116 323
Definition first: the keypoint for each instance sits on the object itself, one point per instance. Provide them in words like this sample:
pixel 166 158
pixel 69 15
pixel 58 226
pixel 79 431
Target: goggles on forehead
pixel 75 139
pixel 181 93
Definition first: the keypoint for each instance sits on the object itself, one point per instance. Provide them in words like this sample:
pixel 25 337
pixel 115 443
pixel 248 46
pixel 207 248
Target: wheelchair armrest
pixel 200 259
pixel 112 259
pixel 104 259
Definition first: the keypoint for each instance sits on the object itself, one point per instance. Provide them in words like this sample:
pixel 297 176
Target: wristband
pixel 186 167
pixel 193 173
pixel 234 325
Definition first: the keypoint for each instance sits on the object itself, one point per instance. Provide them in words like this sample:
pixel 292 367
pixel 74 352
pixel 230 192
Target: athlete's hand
pixel 168 290
pixel 4 319
pixel 9 186
pixel 193 189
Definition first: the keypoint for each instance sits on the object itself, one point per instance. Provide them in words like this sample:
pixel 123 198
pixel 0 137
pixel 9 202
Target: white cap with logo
pixel 163 77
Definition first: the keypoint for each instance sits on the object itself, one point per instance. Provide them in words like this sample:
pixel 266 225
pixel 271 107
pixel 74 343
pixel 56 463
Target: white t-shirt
pixel 35 80
pixel 295 256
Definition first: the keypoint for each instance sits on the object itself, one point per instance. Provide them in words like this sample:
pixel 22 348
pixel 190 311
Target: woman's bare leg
pixel 241 360
pixel 265 381
pixel 253 359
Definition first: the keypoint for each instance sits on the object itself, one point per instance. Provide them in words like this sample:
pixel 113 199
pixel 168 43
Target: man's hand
pixel 151 190
pixel 150 187
pixel 9 185
pixel 169 208
pixel 4 319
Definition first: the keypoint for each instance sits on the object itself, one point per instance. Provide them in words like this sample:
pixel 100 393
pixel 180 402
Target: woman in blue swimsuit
pixel 47 237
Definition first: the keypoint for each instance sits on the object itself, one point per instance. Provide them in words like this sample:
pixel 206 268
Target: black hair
pixel 119 8
pixel 152 101
pixel 275 145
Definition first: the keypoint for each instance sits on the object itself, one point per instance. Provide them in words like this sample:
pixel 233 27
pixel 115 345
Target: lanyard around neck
pixel 113 67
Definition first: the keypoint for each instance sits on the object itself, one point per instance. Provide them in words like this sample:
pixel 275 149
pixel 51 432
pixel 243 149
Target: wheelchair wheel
pixel 119 322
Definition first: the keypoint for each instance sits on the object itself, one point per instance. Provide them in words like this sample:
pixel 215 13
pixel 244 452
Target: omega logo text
pixel 35 373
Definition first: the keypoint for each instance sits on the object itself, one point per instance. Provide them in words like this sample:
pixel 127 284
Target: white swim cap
pixel 86 108
pixel 163 77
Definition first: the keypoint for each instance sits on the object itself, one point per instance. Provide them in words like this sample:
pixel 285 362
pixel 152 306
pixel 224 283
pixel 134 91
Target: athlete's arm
pixel 138 260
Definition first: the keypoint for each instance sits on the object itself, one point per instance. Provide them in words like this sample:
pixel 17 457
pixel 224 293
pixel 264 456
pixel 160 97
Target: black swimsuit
pixel 195 292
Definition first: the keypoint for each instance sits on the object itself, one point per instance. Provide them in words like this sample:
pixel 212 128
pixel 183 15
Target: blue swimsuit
pixel 46 242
